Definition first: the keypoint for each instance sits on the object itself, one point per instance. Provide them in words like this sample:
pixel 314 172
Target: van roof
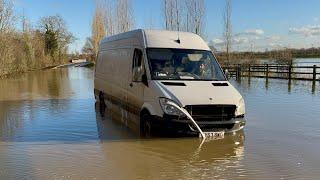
pixel 162 39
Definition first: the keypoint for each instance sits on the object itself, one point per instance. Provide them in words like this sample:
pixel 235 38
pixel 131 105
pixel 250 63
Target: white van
pixel 143 71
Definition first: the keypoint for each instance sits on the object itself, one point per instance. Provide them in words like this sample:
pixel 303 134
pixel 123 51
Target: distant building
pixel 78 60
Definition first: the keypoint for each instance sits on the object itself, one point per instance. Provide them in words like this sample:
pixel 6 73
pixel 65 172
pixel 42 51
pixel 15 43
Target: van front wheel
pixel 145 126
pixel 101 99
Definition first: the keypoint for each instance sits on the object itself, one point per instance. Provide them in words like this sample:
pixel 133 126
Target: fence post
pixel 249 73
pixel 289 71
pixel 239 71
pixel 267 71
pixel 314 73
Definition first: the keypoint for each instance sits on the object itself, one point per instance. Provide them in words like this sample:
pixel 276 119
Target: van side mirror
pixel 144 79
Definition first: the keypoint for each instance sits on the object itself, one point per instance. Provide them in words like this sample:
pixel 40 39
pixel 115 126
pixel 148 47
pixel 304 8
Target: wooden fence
pixel 310 73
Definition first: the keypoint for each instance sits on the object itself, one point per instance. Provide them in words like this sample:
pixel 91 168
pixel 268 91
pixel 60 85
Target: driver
pixel 183 67
pixel 168 69
pixel 204 71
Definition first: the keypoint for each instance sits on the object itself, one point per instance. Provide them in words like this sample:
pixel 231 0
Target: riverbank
pixel 34 47
pixel 65 65
pixel 5 74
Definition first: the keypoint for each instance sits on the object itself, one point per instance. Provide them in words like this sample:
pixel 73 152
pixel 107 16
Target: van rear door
pixel 135 87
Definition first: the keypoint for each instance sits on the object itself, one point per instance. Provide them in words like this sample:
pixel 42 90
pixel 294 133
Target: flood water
pixel 50 128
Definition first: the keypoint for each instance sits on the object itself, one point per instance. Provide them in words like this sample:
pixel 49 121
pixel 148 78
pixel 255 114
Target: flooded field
pixel 50 128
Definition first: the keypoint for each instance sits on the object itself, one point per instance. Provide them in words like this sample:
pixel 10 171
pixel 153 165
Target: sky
pixel 256 24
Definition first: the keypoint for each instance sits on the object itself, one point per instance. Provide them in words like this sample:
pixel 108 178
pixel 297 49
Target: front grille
pixel 211 112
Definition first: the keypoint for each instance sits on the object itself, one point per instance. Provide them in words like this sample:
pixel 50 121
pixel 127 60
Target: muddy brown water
pixel 50 128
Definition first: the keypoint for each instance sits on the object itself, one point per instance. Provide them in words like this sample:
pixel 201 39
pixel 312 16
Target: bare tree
pixel 57 35
pixel 227 33
pixel 118 16
pixel 88 50
pixel 25 24
pixel 177 17
pixel 184 15
pixel 124 16
pixel 109 16
pixel 58 25
pixel 6 15
pixel 98 28
pixel 194 19
pixel 166 14
pixel 88 47
pixel 171 14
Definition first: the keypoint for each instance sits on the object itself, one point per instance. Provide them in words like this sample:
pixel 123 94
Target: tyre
pixel 101 99
pixel 145 126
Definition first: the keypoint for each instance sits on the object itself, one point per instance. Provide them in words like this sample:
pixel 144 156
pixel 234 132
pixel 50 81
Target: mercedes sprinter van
pixel 143 72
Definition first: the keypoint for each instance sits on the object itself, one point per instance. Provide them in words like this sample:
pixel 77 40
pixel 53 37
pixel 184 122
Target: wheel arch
pixel 148 108
pixel 144 111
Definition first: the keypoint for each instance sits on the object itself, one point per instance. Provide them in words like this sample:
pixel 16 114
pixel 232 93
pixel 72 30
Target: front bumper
pixel 184 125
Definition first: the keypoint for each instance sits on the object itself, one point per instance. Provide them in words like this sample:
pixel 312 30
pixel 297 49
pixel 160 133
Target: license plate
pixel 217 135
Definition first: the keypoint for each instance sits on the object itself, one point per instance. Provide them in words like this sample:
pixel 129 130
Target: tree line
pixel 282 56
pixel 34 46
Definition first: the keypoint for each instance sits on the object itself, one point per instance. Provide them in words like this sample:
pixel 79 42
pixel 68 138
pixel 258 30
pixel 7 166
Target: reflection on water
pixel 51 128
pixel 131 156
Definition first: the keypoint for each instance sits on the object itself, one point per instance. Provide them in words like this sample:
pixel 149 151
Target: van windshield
pixel 183 64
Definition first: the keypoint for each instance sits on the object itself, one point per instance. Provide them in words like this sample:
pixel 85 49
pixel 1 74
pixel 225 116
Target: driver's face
pixel 202 67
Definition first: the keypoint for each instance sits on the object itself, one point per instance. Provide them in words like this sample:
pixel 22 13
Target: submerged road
pixel 50 128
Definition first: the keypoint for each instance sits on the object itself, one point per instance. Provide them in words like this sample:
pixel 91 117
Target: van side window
pixel 137 66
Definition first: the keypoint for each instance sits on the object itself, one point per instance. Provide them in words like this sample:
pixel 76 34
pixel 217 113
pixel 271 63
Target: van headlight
pixel 168 108
pixel 241 108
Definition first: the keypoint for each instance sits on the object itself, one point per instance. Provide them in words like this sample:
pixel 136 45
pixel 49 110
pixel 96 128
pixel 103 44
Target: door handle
pixel 131 85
